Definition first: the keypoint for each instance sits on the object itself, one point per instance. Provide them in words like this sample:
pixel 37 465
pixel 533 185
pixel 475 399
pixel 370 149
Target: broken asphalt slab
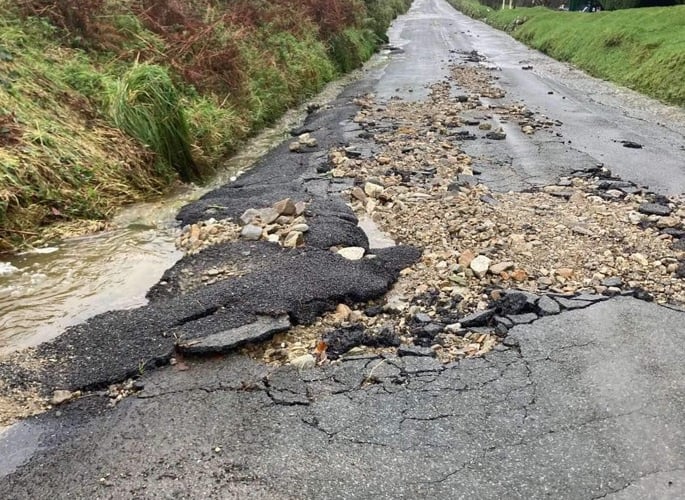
pixel 300 283
pixel 586 404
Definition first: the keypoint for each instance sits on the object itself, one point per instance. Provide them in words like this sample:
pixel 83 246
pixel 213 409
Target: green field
pixel 643 49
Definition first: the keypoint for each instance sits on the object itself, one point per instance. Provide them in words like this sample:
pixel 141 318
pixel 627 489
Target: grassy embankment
pixel 105 102
pixel 643 49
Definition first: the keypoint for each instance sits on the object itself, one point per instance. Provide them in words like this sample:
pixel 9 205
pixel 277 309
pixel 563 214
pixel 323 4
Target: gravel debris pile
pixel 283 223
pixel 491 260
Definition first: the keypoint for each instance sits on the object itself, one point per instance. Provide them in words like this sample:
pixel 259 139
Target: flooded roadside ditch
pixel 42 292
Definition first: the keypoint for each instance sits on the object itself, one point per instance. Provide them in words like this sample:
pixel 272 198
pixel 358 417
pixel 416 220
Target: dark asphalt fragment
pixel 496 136
pixel 341 340
pixel 263 328
pixel 654 209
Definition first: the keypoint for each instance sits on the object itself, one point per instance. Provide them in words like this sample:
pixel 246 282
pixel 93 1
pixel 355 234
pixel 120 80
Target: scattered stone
pixel 640 259
pixel 352 253
pixel 308 140
pixel 480 265
pixel 293 239
pixel 285 207
pixel 564 272
pixel 373 190
pixel 466 257
pixel 61 396
pixel 359 194
pixel 501 267
pixel 251 232
pixel 304 362
pixel 300 207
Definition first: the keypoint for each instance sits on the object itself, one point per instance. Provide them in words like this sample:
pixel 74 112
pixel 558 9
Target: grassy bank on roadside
pixel 105 102
pixel 643 49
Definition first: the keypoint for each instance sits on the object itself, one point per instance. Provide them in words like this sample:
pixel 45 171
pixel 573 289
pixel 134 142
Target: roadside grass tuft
pixel 59 158
pixel 145 104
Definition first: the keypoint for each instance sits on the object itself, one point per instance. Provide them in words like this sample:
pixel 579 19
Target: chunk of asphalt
pixel 479 318
pixel 515 302
pixel 613 281
pixel 405 350
pixel 674 232
pixel 522 319
pixel 547 306
pixel 611 184
pixel 341 340
pixel 569 303
pixel 654 209
pixel 589 297
pixel 262 329
pixel 504 321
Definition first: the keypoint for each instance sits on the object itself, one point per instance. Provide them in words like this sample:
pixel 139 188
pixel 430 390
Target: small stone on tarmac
pixel 352 253
pixel 251 232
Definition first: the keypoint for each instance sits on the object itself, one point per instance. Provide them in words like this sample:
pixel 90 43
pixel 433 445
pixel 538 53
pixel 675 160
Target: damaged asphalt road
pixel 583 404
pixel 298 284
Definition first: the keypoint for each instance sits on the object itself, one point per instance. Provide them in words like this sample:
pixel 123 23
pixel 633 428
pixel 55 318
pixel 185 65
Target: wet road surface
pixel 596 115
pixel 586 404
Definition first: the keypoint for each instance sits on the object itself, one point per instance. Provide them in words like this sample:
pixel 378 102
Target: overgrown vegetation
pixel 106 102
pixel 643 49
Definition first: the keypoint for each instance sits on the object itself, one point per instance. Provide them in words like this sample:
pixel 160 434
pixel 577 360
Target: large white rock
pixel 251 232
pixel 480 265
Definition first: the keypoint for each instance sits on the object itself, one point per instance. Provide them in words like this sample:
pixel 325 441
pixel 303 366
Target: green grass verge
pixel 643 49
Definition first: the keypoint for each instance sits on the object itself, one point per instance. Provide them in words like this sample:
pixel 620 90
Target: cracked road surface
pixel 586 404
